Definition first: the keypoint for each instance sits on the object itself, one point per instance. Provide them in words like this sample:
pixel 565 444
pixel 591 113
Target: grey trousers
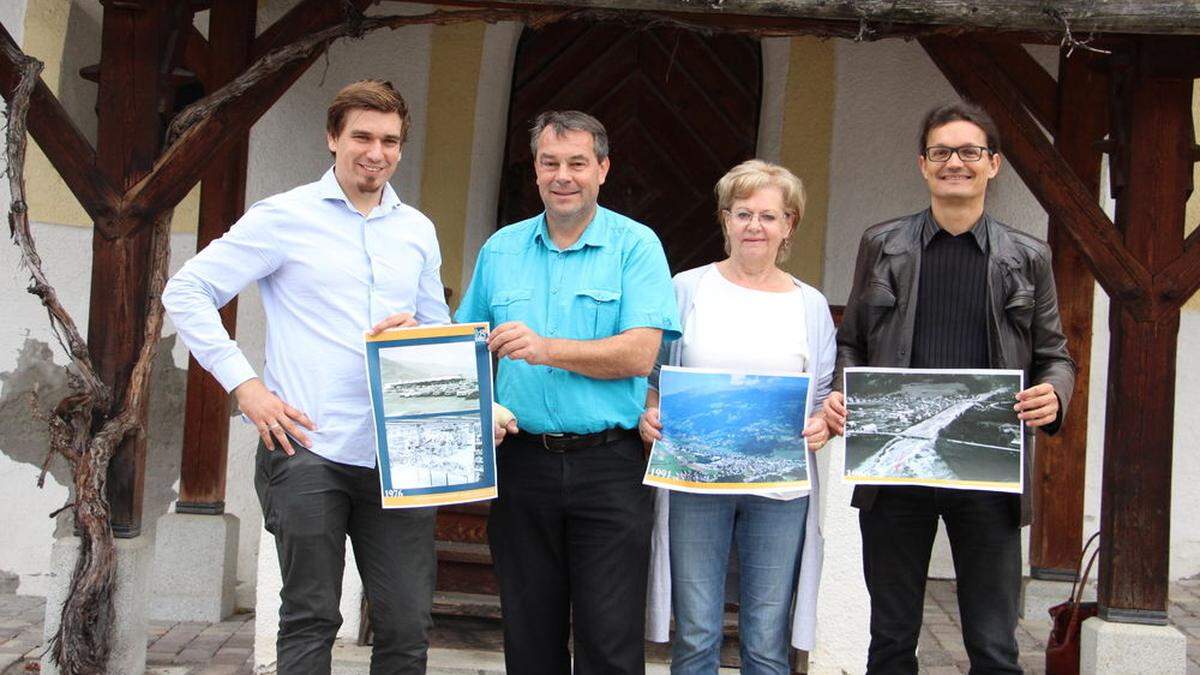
pixel 311 505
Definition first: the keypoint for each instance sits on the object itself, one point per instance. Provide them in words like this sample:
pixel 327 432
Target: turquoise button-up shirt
pixel 614 278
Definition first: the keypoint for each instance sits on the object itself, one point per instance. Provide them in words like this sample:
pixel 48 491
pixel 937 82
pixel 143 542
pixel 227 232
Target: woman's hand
pixel 816 432
pixel 649 426
pixel 835 412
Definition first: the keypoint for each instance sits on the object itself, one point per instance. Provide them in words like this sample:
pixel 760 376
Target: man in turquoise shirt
pixel 580 299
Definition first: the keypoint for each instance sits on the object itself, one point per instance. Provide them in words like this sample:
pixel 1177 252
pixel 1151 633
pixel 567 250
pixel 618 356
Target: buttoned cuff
pixel 233 371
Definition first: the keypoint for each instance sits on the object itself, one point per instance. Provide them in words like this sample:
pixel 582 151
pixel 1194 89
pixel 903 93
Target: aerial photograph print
pixel 729 432
pixel 943 428
pixel 431 393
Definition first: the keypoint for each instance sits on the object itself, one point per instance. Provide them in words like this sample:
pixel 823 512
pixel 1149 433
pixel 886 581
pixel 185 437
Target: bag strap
pixel 1080 583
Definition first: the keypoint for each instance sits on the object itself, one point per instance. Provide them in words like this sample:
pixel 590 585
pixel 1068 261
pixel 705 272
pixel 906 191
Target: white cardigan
pixel 822 354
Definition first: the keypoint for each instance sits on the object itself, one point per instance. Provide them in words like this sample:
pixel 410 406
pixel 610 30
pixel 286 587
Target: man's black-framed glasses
pixel 967 153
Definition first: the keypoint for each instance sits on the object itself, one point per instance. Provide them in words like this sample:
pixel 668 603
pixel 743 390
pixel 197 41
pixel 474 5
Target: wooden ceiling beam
pixel 1081 16
pixel 1047 175
pixel 66 147
pixel 1039 91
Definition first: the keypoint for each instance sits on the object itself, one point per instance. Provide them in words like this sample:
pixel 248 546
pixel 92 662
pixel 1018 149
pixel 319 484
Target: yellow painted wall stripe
pixel 449 134
pixel 805 149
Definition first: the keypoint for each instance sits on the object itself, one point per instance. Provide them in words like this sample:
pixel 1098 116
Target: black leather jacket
pixel 1024 329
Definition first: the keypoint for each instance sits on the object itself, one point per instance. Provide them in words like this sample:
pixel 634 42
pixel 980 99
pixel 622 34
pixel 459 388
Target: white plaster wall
pixel 775 55
pixel 487 147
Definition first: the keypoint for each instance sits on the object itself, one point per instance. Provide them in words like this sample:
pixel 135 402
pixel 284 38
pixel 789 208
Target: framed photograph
pixel 431 399
pixel 730 433
pixel 947 428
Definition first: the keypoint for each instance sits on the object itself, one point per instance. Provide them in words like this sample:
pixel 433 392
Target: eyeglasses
pixel 745 217
pixel 967 153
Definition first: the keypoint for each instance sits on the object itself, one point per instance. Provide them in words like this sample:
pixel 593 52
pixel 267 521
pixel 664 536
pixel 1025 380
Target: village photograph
pixel 429 378
pixel 730 432
pixel 435 451
pixel 948 428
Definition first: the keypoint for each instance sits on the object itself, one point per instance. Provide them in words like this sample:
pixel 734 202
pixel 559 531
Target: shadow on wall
pixel 24 437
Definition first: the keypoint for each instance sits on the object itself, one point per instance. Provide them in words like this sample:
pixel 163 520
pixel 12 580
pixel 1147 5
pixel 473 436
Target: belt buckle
pixel 545 440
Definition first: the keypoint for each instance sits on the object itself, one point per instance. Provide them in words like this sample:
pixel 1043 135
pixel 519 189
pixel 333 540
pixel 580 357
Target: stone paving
pixel 470 646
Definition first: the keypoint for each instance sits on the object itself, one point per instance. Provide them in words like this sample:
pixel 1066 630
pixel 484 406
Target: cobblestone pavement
pixel 227 648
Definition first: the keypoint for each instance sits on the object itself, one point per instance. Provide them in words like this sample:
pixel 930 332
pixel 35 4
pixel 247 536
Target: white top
pixel 732 327
pixel 326 274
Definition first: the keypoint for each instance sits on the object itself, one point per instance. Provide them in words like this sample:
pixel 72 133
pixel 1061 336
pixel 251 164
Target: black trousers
pixel 897 535
pixel 311 504
pixel 570 536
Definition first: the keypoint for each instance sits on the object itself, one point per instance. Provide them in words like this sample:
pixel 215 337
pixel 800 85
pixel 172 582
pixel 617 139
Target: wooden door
pixel 680 109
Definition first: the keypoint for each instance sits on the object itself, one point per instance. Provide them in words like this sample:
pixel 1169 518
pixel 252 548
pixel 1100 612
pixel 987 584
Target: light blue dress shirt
pixel 614 278
pixel 326 274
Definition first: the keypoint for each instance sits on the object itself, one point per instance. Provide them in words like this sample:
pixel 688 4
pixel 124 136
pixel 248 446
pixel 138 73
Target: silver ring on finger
pixel 275 426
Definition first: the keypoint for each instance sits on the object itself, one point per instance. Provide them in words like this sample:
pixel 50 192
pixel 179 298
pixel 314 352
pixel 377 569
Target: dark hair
pixel 964 111
pixel 563 121
pixel 377 95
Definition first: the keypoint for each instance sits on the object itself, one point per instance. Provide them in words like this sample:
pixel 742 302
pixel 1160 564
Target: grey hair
pixel 563 121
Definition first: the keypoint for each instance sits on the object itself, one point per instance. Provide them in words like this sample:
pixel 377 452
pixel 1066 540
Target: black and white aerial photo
pixel 944 428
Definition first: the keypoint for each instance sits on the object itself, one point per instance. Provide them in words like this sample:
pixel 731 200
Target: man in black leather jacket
pixel 951 287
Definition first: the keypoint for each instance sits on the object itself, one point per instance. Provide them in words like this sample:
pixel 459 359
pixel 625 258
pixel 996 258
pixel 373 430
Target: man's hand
pixel 271 415
pixel 650 425
pixel 515 340
pixel 816 432
pixel 835 412
pixel 502 431
pixel 401 320
pixel 1037 405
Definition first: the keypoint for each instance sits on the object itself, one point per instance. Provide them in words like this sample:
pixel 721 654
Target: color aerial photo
pixel 432 378
pixel 945 428
pixel 730 432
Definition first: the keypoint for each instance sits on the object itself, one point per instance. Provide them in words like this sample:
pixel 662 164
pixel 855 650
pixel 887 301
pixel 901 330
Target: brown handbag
pixel 1062 648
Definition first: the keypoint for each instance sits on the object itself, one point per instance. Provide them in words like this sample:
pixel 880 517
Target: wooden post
pixel 1061 460
pixel 128 141
pixel 1152 178
pixel 222 200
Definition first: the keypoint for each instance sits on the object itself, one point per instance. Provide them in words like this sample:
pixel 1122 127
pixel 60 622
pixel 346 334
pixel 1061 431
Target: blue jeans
pixel 770 537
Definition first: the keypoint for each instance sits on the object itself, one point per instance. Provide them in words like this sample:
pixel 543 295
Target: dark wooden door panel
pixel 681 109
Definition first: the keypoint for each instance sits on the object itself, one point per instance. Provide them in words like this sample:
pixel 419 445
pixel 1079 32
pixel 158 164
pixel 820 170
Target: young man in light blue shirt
pixel 331 259
pixel 580 299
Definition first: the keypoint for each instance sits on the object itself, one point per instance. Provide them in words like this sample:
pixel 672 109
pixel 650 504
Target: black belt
pixel 568 442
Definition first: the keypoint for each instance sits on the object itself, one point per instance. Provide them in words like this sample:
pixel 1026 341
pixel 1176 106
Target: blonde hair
pixel 751 176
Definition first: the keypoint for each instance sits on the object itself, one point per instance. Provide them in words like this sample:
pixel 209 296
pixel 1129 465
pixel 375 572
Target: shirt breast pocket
pixel 511 305
pixel 596 314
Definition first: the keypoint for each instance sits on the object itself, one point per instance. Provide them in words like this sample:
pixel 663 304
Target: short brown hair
pixel 963 111
pixel 563 121
pixel 377 95
pixel 751 176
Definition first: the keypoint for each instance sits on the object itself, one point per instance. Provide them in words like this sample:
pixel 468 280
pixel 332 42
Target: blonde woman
pixel 744 313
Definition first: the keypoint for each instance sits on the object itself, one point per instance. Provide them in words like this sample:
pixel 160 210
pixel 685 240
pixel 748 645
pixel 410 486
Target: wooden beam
pixel 222 201
pixel 128 139
pixel 1047 175
pixel 65 146
pixel 1061 460
pixel 1153 128
pixel 197 56
pixel 1180 17
pixel 1180 279
pixel 183 164
pixel 1039 92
